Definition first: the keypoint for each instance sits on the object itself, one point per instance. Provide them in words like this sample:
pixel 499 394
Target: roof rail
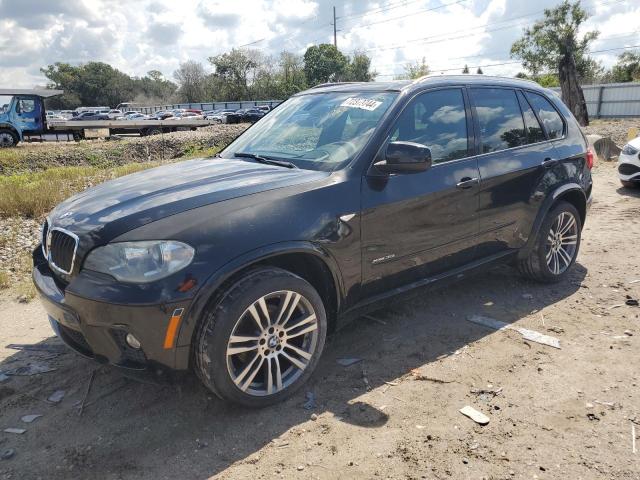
pixel 328 84
pixel 476 75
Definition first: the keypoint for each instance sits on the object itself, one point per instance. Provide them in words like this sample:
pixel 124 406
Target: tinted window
pixel 532 126
pixel 548 115
pixel 438 120
pixel 499 119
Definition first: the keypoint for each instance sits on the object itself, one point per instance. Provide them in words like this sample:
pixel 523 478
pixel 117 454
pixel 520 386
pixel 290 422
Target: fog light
pixel 132 341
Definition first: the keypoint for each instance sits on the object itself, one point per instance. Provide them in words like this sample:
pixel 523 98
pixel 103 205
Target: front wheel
pixel 262 339
pixel 8 139
pixel 556 246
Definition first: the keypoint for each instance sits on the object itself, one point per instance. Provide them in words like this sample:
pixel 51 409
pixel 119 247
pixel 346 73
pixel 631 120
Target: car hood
pixel 120 205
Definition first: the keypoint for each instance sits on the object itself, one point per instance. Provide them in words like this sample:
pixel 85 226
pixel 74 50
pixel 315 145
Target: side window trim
pixel 523 98
pixel 469 120
pixel 544 129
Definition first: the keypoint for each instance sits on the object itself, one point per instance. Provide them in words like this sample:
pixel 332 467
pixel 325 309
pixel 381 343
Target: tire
pixel 8 138
pixel 628 184
pixel 542 264
pixel 238 371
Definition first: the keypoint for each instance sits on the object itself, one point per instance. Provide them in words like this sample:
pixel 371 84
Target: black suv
pixel 347 194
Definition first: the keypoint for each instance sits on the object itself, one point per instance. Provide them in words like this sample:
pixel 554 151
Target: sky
pixel 142 35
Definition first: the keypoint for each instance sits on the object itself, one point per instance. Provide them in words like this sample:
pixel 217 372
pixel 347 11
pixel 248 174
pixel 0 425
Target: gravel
pixel 110 153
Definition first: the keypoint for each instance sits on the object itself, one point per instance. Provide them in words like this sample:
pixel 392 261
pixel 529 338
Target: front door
pixel 28 114
pixel 422 224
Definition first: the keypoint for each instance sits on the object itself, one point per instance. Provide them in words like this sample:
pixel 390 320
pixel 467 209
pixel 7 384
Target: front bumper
pixel 629 167
pixel 97 330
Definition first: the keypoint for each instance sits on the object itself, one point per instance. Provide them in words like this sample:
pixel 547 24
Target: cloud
pixel 159 34
pixel 164 33
pixel 213 16
pixel 33 14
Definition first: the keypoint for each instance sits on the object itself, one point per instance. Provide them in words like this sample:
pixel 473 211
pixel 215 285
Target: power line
pixel 592 52
pixel 375 11
pixel 493 54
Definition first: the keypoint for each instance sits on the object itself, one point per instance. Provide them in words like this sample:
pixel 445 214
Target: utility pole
pixel 335 36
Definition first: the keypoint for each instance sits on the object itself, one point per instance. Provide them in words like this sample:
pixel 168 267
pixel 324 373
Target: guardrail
pixel 209 105
pixel 612 100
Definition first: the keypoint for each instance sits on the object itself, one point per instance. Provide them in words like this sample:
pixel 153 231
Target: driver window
pixel 26 105
pixel 438 120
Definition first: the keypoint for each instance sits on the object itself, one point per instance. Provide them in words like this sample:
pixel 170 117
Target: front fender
pixel 218 278
pixel 542 213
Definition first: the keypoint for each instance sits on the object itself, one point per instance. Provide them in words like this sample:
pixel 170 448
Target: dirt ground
pixel 554 414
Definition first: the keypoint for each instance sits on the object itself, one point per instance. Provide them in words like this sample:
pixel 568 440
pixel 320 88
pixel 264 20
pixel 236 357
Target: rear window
pixel 499 119
pixel 550 118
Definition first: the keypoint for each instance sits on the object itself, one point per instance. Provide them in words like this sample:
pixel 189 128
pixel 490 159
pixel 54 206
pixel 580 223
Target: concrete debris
pixel 18 431
pixel 56 397
pixel 347 362
pixel 530 335
pixel 478 417
pixel 29 418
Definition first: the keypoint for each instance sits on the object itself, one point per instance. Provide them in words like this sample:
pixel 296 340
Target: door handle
pixel 467 182
pixel 549 162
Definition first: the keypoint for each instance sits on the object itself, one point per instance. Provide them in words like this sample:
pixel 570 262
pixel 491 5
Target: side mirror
pixel 405 157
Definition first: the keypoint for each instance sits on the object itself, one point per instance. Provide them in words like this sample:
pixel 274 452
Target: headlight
pixel 140 262
pixel 629 150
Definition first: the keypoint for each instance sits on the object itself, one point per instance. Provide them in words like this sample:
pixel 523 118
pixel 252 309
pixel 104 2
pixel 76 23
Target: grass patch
pixel 34 194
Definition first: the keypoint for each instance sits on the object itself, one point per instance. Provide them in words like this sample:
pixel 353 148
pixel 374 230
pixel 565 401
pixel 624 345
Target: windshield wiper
pixel 266 160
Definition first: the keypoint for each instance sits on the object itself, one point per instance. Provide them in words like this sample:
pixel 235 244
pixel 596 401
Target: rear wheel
pixel 8 138
pixel 263 338
pixel 556 246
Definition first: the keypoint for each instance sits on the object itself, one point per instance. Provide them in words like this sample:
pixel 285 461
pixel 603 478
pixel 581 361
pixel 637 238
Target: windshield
pixel 322 131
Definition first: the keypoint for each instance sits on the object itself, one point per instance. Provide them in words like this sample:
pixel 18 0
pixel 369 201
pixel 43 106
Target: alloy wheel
pixel 272 343
pixel 562 241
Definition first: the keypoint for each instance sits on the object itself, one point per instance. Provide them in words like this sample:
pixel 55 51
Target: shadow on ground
pixel 150 431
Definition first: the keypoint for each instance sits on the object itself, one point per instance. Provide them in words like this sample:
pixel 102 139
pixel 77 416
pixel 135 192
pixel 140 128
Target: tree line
pixel 240 74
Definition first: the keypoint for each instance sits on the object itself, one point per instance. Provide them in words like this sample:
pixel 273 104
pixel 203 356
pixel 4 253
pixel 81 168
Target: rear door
pixel 421 224
pixel 513 150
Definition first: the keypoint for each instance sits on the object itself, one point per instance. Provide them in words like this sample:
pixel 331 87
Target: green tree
pixel 359 68
pixel 92 84
pixel 324 63
pixel 552 45
pixel 233 72
pixel 414 70
pixel 465 70
pixel 627 68
pixel 479 71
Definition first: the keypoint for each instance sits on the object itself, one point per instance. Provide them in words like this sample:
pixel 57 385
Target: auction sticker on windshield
pixel 363 103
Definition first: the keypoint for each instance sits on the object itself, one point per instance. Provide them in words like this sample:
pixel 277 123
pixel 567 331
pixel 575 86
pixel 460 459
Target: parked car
pixel 114 114
pixel 629 164
pixel 219 116
pixel 162 115
pixel 264 108
pixel 245 115
pixel 186 115
pixel 91 116
pixel 194 110
pixel 345 196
